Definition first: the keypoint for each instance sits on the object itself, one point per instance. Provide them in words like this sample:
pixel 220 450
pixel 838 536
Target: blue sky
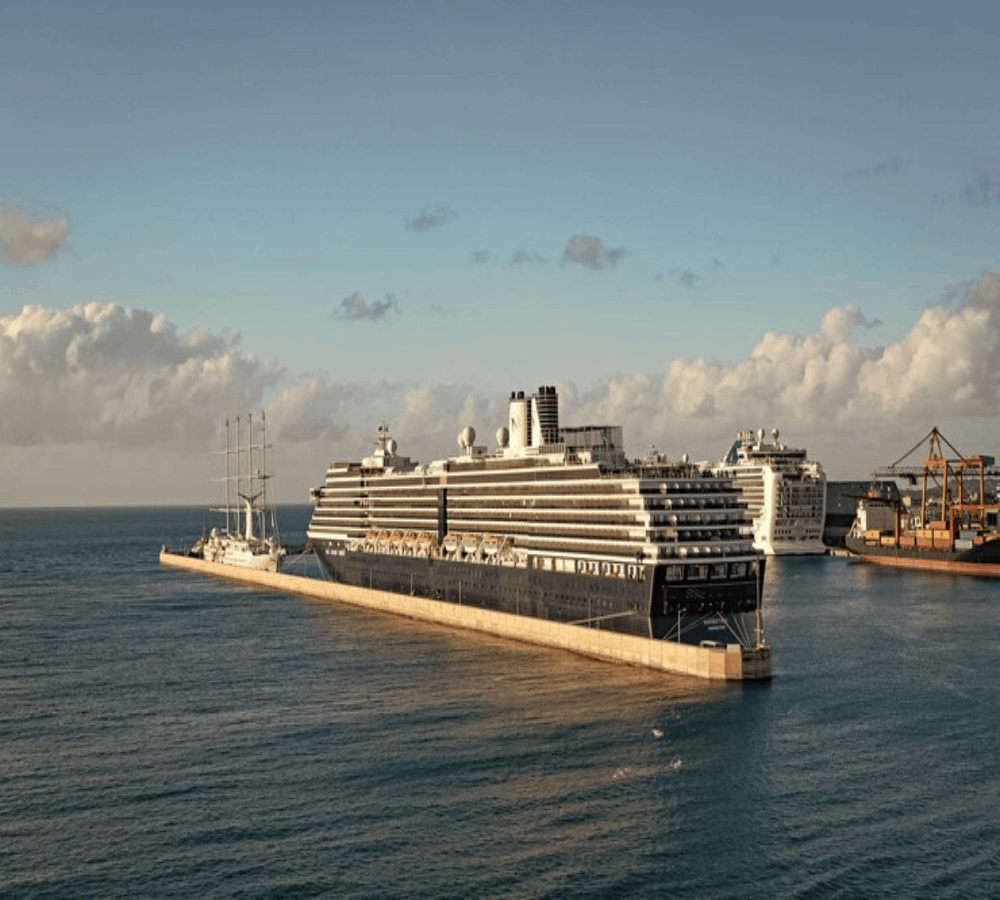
pixel 349 212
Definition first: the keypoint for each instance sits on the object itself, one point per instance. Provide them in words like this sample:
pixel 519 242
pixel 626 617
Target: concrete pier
pixel 728 663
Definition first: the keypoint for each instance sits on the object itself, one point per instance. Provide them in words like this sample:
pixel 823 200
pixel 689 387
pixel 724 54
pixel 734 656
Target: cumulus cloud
pixel 429 218
pixel 105 374
pixel 835 389
pixel 425 417
pixel 356 309
pixel 314 409
pixel 110 376
pixel 981 191
pixel 26 241
pixel 829 385
pixel 588 250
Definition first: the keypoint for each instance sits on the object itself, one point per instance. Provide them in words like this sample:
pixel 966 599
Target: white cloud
pixel 110 375
pixel 827 388
pixel 102 376
pixel 26 241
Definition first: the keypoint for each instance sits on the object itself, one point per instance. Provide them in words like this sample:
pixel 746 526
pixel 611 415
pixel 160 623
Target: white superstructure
pixel 565 496
pixel 785 493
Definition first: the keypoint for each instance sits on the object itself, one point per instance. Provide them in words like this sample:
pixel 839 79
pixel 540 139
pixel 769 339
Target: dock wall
pixel 729 663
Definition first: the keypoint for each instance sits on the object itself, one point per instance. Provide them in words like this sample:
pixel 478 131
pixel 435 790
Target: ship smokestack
pixel 545 416
pixel 518 422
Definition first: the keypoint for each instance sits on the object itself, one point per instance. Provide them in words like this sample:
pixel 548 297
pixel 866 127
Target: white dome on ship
pixel 760 434
pixel 391 446
pixel 503 437
pixel 774 435
pixel 467 437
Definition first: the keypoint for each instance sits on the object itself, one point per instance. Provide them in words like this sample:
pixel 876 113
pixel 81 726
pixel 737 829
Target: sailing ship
pixel 249 536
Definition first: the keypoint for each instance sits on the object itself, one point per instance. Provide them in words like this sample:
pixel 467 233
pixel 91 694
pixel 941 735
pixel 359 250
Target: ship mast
pixel 268 509
pixel 239 525
pixel 227 501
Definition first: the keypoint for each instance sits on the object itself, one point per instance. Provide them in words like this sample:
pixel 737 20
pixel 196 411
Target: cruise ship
pixel 785 493
pixel 555 523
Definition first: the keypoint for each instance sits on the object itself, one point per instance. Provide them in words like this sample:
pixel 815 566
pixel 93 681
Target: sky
pixel 691 218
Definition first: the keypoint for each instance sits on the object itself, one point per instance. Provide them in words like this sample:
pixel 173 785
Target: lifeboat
pixel 470 544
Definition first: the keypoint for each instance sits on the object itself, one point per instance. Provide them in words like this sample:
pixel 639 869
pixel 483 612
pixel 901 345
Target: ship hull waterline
pixel 725 662
pixel 927 560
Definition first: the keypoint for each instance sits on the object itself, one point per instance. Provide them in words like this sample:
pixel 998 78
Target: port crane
pixel 953 489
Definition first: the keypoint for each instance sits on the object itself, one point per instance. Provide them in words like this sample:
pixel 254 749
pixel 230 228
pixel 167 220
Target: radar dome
pixel 774 435
pixel 503 437
pixel 391 446
pixel 467 437
pixel 760 434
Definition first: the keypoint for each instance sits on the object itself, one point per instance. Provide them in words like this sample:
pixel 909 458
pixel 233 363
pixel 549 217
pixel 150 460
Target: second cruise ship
pixel 785 493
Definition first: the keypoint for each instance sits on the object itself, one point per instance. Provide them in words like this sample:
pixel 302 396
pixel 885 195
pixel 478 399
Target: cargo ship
pixel 956 527
pixel 556 524
pixel 785 493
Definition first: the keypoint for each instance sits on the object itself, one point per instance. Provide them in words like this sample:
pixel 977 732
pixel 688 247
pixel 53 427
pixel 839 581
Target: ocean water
pixel 164 734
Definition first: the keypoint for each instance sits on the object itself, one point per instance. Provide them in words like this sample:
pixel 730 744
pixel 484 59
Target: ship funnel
pixel 518 422
pixel 545 416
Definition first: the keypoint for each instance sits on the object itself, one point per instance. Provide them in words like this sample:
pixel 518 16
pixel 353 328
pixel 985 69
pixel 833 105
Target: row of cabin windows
pixel 703 571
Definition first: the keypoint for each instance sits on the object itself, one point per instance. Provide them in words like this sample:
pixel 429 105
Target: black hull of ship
pixel 722 611
pixel 982 560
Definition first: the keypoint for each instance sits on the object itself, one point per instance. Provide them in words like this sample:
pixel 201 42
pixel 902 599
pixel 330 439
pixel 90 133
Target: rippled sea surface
pixel 164 734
